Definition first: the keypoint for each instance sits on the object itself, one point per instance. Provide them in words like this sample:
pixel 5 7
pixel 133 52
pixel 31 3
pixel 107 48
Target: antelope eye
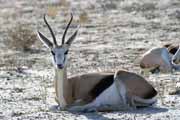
pixel 52 53
pixel 66 52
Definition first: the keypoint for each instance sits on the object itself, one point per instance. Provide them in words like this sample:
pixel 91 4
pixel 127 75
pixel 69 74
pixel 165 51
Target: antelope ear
pixel 44 40
pixel 72 38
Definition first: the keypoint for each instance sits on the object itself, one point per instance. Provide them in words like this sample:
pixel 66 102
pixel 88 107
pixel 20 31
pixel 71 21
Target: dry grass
pixel 139 7
pixel 112 36
pixel 21 37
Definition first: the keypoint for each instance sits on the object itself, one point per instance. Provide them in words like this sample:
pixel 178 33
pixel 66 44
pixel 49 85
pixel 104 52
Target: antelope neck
pixel 60 81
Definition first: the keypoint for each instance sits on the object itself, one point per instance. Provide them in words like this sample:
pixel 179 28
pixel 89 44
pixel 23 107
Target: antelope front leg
pixel 102 108
pixel 58 107
pixel 85 108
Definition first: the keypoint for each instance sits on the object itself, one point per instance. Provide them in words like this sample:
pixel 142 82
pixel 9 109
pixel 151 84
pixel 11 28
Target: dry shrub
pixel 21 37
pixel 83 17
pixel 10 62
pixel 56 6
pixel 52 11
pixel 59 3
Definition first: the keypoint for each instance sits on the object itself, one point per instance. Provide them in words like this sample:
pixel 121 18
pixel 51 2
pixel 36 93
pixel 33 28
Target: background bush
pixel 21 37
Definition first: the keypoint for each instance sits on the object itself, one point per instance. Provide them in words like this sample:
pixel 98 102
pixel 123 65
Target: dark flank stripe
pixel 172 48
pixel 101 86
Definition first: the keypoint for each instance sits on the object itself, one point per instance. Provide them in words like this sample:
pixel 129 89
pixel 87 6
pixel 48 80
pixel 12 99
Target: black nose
pixel 60 66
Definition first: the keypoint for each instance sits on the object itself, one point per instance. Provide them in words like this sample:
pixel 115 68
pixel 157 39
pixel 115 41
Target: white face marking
pixel 59 57
pixel 176 57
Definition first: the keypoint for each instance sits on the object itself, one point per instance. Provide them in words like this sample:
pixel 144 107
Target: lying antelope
pixel 95 91
pixel 165 58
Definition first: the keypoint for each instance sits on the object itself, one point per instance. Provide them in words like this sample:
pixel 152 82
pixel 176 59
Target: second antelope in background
pixel 95 91
pixel 163 59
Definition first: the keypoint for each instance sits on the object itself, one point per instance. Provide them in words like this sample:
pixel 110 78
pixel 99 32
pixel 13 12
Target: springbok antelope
pixel 95 91
pixel 164 59
pixel 174 51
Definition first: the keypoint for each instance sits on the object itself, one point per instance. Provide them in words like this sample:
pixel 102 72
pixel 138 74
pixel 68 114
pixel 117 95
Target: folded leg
pixel 111 99
pixel 141 102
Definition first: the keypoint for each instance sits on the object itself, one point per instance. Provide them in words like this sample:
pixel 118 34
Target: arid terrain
pixel 113 35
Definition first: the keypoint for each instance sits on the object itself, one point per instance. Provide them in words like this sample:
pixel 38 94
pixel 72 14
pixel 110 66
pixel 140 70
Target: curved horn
pixel 51 31
pixel 67 27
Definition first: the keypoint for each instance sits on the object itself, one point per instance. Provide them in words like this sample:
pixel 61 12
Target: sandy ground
pixel 113 35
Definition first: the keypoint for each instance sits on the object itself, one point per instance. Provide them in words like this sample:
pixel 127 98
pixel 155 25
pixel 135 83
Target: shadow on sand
pixel 100 115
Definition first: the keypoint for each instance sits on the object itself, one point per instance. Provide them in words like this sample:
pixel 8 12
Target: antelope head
pixel 59 52
pixel 176 57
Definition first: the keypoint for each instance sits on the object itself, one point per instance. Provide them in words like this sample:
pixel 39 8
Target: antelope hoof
pixel 55 108
pixel 91 109
pixel 75 109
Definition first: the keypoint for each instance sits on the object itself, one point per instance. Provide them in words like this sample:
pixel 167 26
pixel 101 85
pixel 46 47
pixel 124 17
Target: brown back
pixel 172 48
pixel 89 86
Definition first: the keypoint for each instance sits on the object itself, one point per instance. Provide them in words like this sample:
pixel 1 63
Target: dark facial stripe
pixel 54 58
pixel 65 54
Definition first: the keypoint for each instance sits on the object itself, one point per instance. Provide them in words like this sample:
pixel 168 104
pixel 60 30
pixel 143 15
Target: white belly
pixel 110 96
